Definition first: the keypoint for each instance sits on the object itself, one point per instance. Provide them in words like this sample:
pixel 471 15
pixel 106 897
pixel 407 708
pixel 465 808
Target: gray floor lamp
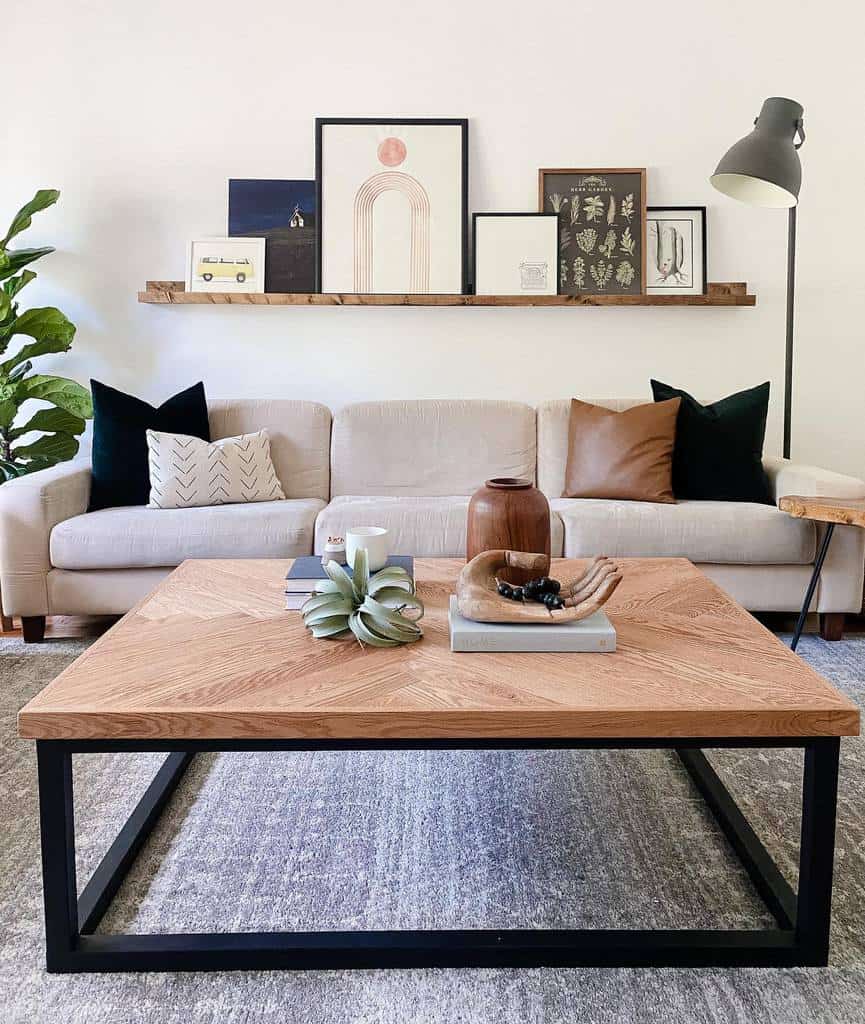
pixel 763 169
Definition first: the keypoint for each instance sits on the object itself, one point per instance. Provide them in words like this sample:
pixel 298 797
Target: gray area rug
pixel 428 839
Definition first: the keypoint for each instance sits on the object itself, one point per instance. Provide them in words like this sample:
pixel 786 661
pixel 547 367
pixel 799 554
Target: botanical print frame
pixel 282 211
pixel 515 253
pixel 225 265
pixel 392 203
pixel 602 227
pixel 676 250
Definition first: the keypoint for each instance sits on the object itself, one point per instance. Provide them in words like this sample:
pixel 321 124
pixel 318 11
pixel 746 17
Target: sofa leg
pixel 33 628
pixel 832 625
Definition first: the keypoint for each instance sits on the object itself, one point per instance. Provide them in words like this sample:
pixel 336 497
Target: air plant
pixel 557 201
pixel 586 240
pixel 593 207
pixel 371 607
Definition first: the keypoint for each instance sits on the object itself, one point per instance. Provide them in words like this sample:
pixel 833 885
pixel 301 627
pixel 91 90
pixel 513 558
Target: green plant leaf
pixel 5 306
pixel 366 636
pixel 330 628
pixel 44 198
pixel 343 584
pixel 55 447
pixel 360 574
pixel 8 412
pixel 49 328
pixel 15 284
pixel 51 421
pixel 18 258
pixel 65 394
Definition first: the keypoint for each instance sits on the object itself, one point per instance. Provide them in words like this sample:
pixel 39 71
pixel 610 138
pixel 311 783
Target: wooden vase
pixel 509 513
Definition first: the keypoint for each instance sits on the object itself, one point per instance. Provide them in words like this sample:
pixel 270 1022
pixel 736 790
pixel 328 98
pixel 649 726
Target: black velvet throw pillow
pixel 719 448
pixel 120 468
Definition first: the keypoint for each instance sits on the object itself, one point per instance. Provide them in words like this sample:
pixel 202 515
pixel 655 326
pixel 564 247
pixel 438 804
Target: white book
pixel 594 635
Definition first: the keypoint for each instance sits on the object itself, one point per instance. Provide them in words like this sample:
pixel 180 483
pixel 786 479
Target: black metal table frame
pixel 812 585
pixel 801 937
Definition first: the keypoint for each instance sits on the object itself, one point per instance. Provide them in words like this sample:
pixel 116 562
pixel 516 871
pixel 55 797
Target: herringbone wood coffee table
pixel 211 661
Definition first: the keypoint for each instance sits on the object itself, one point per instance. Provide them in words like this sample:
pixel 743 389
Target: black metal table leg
pixel 58 853
pixel 817 851
pixel 812 585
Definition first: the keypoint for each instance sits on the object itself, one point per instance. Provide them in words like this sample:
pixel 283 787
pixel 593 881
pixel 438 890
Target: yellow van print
pixel 240 269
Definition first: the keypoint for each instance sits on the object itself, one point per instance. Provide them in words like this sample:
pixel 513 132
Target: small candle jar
pixel 334 551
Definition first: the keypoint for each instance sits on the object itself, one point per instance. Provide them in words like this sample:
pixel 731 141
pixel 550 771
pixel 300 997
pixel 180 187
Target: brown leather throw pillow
pixel 625 455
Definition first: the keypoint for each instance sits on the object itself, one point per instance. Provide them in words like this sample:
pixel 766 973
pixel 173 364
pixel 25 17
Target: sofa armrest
pixel 30 507
pixel 840 587
pixel 787 477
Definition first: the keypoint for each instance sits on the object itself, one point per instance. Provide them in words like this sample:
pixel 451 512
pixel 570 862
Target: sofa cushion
pixel 553 419
pixel 433 527
pixel 299 435
pixel 135 537
pixel 188 473
pixel 430 448
pixel 627 455
pixel 703 531
pixel 119 451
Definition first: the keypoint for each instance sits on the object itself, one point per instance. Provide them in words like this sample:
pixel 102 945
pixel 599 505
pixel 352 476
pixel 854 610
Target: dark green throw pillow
pixel 719 448
pixel 120 470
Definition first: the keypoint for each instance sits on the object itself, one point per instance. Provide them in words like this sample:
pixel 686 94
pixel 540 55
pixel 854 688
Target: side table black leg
pixel 817 853
pixel 812 586
pixel 58 853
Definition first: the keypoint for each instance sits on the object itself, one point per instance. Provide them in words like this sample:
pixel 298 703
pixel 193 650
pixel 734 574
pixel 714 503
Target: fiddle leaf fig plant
pixel 49 331
pixel 372 607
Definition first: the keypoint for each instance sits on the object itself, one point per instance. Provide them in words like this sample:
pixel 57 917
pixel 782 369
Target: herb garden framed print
pixel 602 227
pixel 516 253
pixel 392 205
pixel 676 250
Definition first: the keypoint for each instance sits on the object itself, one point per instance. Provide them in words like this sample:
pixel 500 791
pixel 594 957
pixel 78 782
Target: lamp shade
pixel 763 168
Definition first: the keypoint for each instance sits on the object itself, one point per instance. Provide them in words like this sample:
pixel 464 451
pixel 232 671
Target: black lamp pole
pixel 763 169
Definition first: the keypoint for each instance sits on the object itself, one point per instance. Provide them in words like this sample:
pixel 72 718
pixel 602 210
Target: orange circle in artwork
pixel 391 152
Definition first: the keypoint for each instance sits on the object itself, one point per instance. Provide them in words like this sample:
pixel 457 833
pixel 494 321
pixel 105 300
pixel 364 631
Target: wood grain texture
pixel 509 513
pixel 211 652
pixel 842 511
pixel 174 293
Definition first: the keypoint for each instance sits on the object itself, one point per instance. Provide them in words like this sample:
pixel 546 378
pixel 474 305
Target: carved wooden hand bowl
pixel 479 599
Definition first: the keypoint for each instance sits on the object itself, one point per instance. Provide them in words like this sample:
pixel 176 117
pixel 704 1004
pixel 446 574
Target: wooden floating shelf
pixel 174 293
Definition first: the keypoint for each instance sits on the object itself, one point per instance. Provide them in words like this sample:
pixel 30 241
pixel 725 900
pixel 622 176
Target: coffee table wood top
pixel 211 653
pixel 843 511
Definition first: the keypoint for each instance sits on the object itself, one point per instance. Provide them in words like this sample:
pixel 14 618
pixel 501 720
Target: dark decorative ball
pixel 506 590
pixel 518 594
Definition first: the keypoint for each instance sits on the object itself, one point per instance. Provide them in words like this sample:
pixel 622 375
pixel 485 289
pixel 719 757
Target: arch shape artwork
pixel 419 211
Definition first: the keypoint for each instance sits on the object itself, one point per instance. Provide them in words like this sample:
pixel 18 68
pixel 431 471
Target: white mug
pixel 374 539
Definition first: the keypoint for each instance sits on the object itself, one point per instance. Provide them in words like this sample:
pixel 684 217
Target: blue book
pixel 308 570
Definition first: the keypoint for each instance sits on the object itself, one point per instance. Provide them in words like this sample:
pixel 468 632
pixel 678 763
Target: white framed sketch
pixel 516 253
pixel 392 197
pixel 225 265
pixel 676 250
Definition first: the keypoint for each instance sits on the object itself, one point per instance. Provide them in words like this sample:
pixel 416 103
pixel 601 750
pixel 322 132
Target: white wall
pixel 140 113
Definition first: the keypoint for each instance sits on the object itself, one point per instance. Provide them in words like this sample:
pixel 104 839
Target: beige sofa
pixel 410 466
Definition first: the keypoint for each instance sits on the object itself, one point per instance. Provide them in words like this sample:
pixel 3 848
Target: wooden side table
pixel 834 512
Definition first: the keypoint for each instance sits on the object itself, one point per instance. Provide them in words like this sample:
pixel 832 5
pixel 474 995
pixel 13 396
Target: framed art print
pixel 392 199
pixel 516 253
pixel 225 265
pixel 283 213
pixel 602 227
pixel 676 250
